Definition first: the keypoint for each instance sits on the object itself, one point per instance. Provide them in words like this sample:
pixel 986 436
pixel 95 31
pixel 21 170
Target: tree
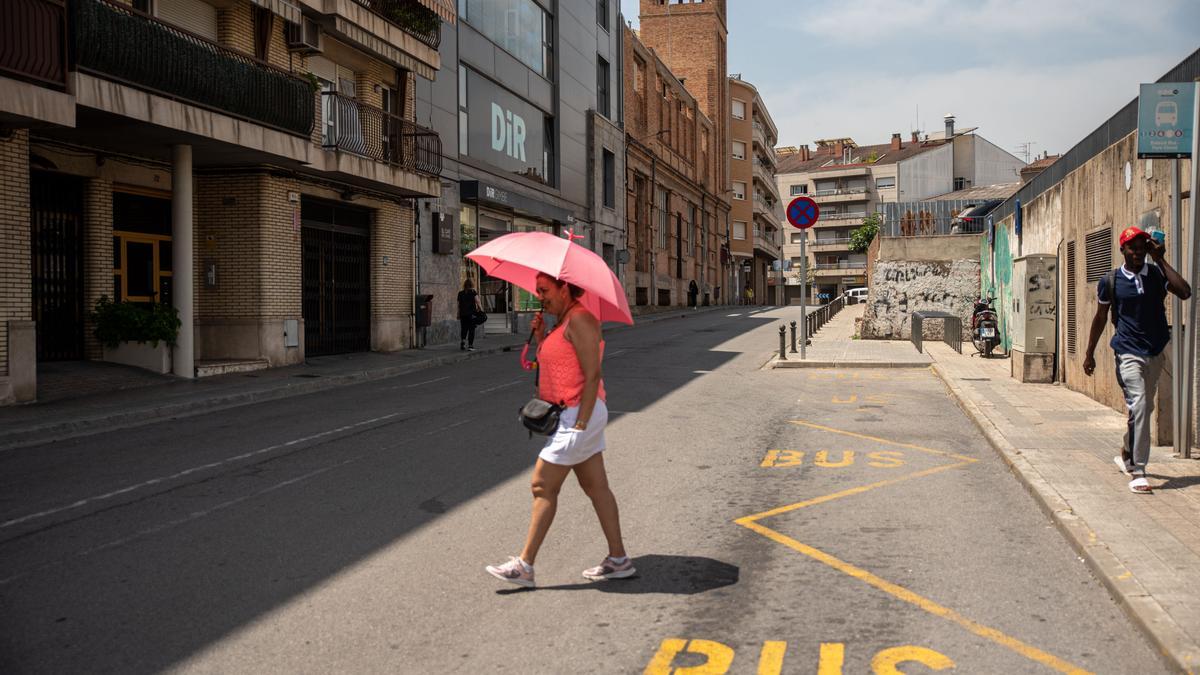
pixel 861 238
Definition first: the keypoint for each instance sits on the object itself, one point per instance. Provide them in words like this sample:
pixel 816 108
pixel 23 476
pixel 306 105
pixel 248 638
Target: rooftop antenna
pixel 1024 148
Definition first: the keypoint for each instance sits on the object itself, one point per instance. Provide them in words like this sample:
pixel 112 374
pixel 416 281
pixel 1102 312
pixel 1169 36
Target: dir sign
pixel 1165 112
pixel 803 212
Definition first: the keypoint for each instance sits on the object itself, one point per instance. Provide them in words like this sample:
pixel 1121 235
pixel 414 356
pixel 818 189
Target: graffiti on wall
pixel 900 287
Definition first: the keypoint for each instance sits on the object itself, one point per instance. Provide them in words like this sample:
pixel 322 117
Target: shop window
pixel 142 250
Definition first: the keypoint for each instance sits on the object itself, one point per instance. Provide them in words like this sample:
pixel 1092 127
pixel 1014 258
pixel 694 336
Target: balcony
pixel 843 215
pixel 760 138
pixel 766 175
pixel 830 244
pixel 844 267
pixel 351 126
pixel 410 16
pixel 839 195
pixel 764 209
pixel 33 41
pixel 766 244
pixel 120 44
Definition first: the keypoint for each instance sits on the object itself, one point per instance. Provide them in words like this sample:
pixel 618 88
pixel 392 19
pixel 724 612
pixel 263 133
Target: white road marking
pixel 501 386
pixel 447 427
pixel 418 384
pixel 185 472
pixel 733 315
pixel 615 354
pixel 195 515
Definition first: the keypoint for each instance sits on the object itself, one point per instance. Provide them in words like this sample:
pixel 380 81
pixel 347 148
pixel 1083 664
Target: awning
pixel 283 8
pixel 443 8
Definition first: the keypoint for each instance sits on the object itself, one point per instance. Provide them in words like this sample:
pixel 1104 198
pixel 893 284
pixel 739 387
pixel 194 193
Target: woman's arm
pixel 583 332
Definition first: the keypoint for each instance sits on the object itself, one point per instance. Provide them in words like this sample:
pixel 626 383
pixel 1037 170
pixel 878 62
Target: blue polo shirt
pixel 1142 327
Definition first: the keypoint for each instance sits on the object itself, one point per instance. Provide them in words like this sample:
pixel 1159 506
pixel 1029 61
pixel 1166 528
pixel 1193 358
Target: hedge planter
pixel 141 355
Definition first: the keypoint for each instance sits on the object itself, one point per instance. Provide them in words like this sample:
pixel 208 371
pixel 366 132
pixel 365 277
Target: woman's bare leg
pixel 547 481
pixel 594 481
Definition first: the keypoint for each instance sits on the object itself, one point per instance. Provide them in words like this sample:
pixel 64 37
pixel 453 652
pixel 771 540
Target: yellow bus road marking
pixel 719 657
pixel 819 427
pixel 897 591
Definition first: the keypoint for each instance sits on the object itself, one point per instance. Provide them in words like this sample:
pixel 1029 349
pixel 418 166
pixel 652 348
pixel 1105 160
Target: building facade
pixel 672 205
pixel 268 197
pixel 850 182
pixel 755 232
pixel 528 104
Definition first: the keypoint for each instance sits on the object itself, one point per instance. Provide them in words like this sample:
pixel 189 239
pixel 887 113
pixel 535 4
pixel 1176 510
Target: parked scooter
pixel 984 327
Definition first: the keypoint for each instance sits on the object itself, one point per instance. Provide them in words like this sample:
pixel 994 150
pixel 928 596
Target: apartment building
pixel 528 104
pixel 671 195
pixel 849 182
pixel 253 163
pixel 755 231
pixel 690 39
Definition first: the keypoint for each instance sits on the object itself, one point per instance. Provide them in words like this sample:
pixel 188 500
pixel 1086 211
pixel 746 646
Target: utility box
pixel 424 311
pixel 1034 317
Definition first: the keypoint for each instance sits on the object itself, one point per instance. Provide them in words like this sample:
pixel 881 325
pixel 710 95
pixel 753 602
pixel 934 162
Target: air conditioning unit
pixel 304 37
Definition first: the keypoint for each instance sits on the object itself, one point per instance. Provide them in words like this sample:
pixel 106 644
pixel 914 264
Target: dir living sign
pixel 1165 111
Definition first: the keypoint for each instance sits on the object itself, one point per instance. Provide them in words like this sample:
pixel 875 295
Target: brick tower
pixel 690 37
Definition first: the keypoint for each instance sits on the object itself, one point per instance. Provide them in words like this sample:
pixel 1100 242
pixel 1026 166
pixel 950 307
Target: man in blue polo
pixel 1136 292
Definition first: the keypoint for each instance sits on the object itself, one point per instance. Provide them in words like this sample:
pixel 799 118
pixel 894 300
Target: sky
pixel 1038 72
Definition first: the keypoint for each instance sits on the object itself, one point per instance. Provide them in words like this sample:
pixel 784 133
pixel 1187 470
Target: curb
pixel 776 363
pixel 1176 649
pixel 134 417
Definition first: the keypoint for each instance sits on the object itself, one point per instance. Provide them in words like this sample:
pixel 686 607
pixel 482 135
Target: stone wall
pixel 901 287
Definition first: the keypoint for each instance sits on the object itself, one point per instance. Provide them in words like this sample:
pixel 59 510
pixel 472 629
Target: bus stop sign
pixel 803 212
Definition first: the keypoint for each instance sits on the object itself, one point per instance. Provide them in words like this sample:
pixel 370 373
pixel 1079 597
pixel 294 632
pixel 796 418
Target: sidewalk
pixel 157 397
pixel 834 346
pixel 1060 443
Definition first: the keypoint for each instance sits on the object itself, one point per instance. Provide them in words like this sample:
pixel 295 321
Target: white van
pixel 856 295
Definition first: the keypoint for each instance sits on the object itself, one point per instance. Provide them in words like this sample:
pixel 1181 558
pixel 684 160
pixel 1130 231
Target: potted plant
pixel 136 334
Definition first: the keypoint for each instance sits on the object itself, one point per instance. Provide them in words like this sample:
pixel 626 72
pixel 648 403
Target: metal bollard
pixel 782 343
pixel 793 337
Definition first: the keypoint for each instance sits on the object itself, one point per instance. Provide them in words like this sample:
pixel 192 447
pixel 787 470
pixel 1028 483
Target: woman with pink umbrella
pixel 569 373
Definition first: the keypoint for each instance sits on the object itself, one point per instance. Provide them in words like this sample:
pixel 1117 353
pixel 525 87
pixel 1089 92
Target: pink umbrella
pixel 519 257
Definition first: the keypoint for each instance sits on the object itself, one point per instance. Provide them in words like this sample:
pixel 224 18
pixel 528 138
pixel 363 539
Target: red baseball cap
pixel 1130 233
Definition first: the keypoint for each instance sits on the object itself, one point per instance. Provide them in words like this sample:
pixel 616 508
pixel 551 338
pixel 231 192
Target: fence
pixel 365 130
pixel 33 41
pixel 821 315
pixel 927 218
pixel 411 17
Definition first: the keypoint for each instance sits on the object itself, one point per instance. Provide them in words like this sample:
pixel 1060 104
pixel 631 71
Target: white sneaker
pixel 513 572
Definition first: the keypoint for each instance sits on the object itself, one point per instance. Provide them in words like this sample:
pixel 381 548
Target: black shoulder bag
pixel 539 416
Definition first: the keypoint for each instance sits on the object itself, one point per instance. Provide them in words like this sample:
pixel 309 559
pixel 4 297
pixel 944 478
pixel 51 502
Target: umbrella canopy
pixel 519 257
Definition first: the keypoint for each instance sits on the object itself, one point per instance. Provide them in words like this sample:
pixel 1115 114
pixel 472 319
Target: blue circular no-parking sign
pixel 803 212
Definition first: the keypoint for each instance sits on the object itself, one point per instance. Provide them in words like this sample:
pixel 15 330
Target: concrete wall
pixel 992 164
pixel 945 248
pixel 926 175
pixel 899 288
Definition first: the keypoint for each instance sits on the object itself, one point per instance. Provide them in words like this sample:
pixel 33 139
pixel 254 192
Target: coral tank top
pixel 560 377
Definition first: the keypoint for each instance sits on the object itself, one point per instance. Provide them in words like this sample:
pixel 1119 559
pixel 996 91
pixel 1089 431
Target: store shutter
pixel 191 15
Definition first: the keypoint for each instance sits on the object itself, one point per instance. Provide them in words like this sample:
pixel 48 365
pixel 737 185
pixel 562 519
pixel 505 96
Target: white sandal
pixel 1125 467
pixel 1140 486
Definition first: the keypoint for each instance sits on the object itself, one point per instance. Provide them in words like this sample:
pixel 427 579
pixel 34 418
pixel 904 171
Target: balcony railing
pixel 841 241
pixel 844 215
pixel 840 191
pixel 33 41
pixel 121 44
pixel 411 16
pixel 843 265
pixel 353 126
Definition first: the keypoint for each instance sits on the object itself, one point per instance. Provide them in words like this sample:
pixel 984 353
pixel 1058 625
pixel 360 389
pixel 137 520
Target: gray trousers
pixel 1138 377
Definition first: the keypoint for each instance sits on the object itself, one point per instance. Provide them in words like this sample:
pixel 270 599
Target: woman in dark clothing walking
pixel 468 305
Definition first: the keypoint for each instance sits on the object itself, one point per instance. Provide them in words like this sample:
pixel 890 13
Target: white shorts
pixel 568 447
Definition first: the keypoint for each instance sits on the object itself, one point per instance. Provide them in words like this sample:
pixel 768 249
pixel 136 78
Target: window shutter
pixel 191 15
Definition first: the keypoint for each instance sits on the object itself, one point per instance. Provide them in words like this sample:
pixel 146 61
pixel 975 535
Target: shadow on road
pixel 669 574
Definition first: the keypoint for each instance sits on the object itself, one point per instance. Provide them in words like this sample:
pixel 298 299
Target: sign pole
pixel 803 295
pixel 1177 409
pixel 1194 258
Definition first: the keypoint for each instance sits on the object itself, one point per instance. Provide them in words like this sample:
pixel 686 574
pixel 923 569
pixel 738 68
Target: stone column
pixel 183 356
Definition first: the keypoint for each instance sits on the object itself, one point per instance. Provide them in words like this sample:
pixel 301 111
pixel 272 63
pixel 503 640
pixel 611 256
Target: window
pixel 664 217
pixel 799 190
pixel 739 109
pixel 739 150
pixel 885 182
pixel 602 13
pixel 639 74
pixel 602 86
pixel 462 111
pixel 961 183
pixel 739 190
pixel 797 237
pixel 739 229
pixel 693 231
pixel 521 27
pixel 610 179
pixel 142 248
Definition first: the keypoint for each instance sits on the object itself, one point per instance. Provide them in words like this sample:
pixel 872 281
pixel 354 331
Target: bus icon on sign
pixel 1166 113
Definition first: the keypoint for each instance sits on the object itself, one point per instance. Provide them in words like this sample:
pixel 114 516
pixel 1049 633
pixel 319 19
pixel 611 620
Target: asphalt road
pixel 791 521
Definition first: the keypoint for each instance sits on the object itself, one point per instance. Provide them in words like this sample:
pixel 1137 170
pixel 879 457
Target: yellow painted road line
pixel 845 493
pixel 899 592
pixel 882 440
